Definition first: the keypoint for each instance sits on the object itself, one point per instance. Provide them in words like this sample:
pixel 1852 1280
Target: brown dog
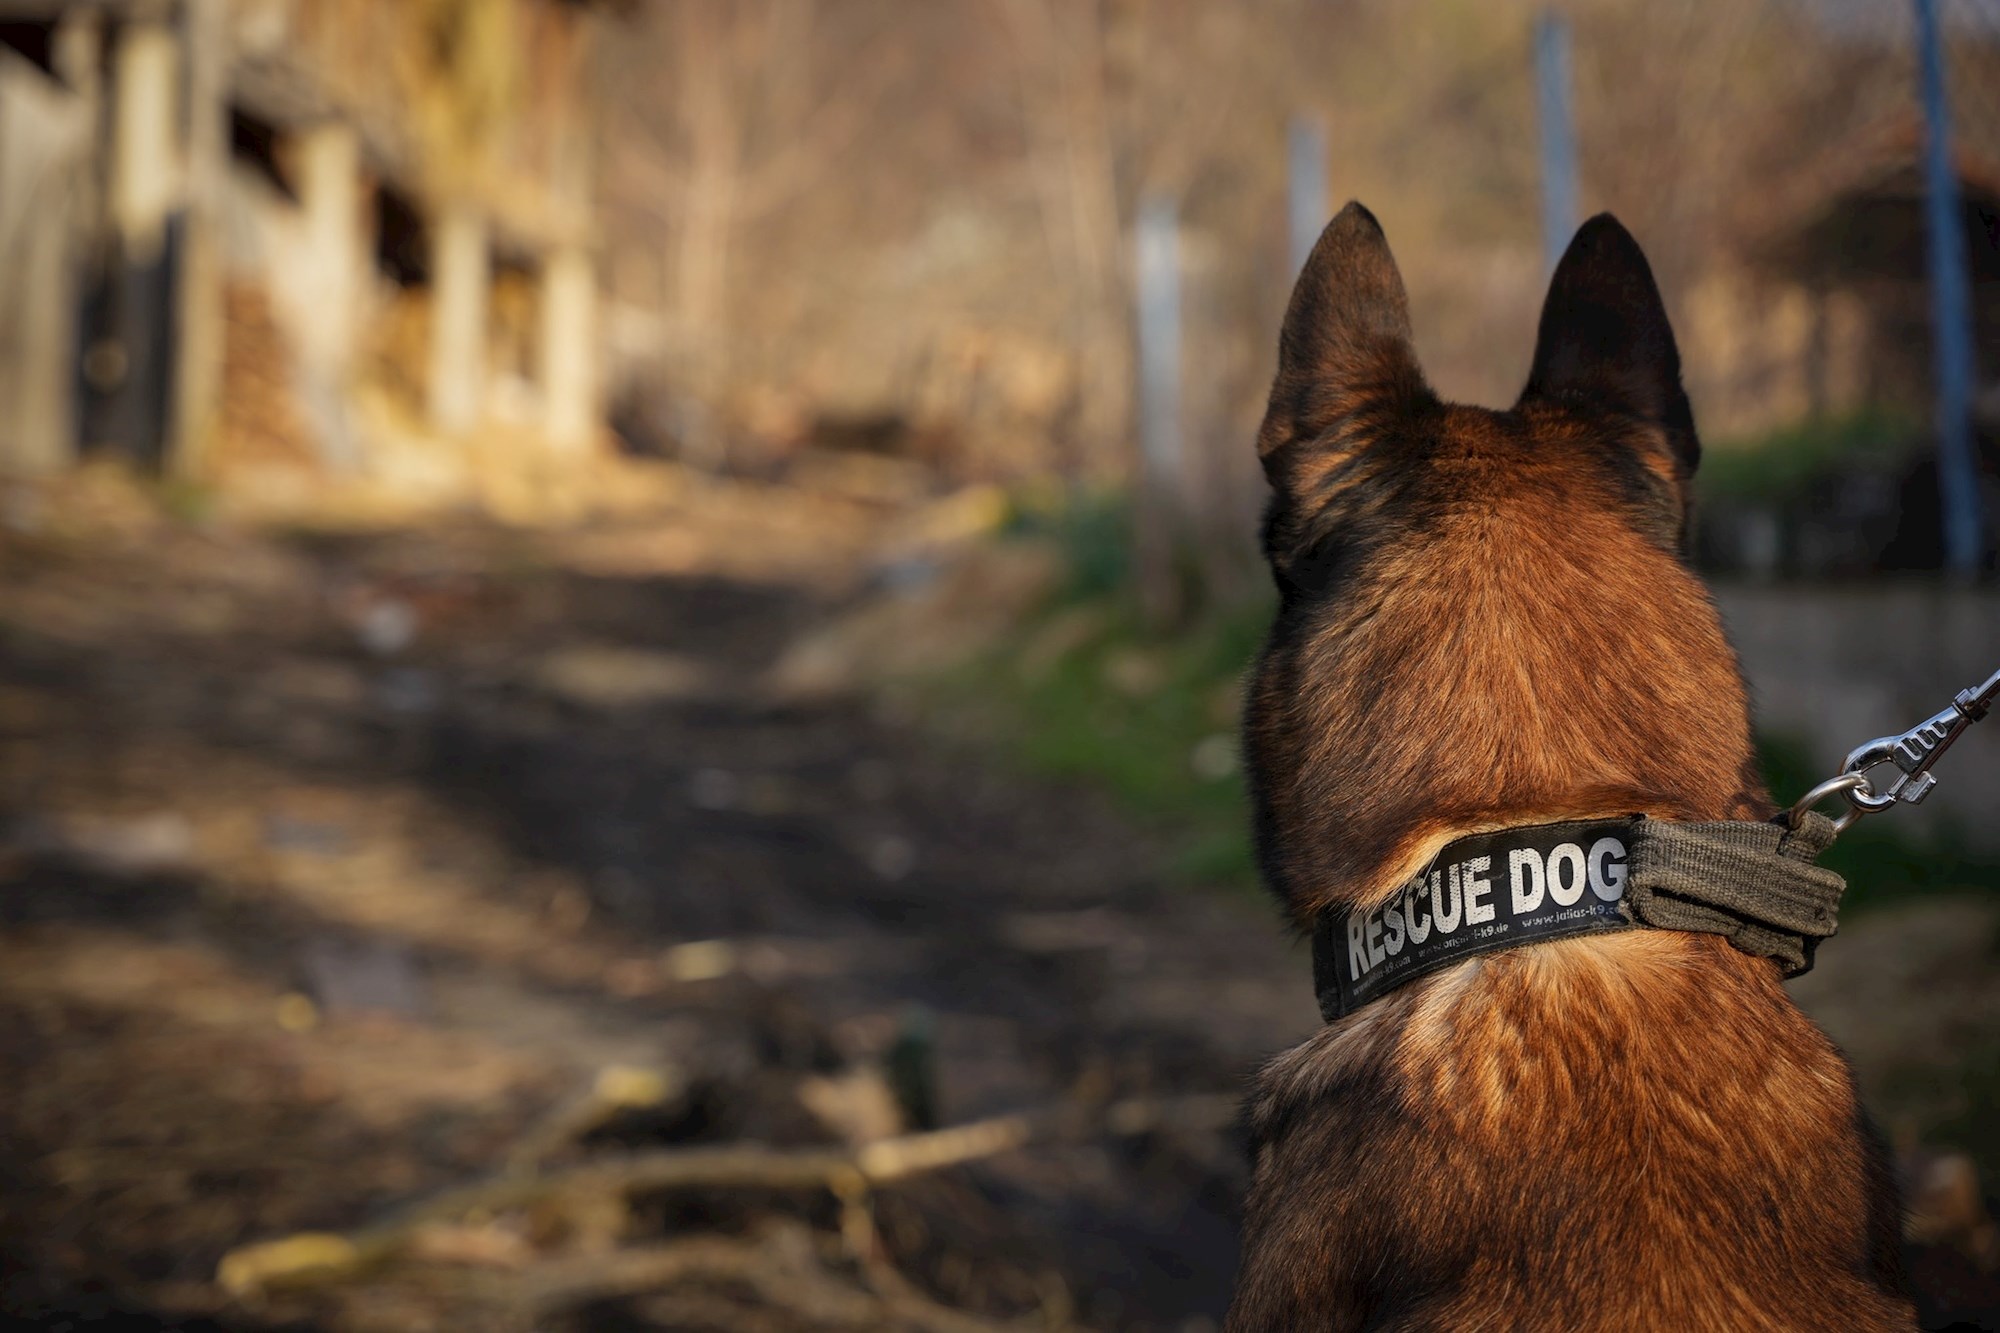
pixel 1485 621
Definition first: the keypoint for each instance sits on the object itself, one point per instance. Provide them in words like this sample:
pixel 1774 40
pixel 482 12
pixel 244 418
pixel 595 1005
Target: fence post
pixel 1157 518
pixel 1306 161
pixel 1951 312
pixel 1552 85
pixel 199 319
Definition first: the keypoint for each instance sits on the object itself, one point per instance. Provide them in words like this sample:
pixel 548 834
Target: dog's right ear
pixel 1604 343
pixel 1345 354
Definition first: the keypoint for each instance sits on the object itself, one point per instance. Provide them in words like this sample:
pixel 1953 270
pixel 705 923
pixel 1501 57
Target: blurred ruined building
pixel 296 240
pixel 290 240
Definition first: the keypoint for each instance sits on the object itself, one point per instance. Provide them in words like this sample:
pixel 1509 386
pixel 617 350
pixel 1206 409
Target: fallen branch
pixel 779 1266
pixel 617 1088
pixel 316 1258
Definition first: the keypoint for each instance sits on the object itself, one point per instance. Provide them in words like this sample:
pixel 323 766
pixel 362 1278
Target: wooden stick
pixel 780 1267
pixel 312 1259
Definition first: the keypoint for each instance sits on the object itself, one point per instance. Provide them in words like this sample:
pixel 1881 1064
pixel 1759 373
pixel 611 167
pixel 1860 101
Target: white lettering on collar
pixel 1461 893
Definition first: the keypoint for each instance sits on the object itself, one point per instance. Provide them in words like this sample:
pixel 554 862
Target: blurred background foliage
pixel 1087 690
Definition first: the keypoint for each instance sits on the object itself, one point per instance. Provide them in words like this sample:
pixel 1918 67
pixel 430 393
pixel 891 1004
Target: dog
pixel 1486 620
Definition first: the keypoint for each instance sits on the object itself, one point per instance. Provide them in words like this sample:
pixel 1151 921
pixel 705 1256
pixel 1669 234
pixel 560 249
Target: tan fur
pixel 1615 1132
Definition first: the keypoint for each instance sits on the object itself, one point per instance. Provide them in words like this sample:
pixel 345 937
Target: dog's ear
pixel 1345 351
pixel 1605 345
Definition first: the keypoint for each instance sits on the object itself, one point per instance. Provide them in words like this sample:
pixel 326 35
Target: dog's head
pixel 1484 616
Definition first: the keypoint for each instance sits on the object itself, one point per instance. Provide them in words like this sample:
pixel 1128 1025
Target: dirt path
pixel 330 862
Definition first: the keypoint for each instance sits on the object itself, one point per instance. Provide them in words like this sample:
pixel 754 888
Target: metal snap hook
pixel 1854 786
pixel 1862 759
pixel 1912 753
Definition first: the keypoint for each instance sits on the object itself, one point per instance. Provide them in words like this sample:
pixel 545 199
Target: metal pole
pixel 1307 163
pixel 1552 82
pixel 1951 312
pixel 1159 255
pixel 1157 523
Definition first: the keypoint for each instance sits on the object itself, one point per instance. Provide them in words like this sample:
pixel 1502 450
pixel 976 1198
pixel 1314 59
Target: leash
pixel 1913 753
pixel 1755 884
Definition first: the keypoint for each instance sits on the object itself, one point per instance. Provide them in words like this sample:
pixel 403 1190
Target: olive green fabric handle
pixel 1755 884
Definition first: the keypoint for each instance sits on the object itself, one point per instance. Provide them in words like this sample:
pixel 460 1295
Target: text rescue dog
pixel 1460 895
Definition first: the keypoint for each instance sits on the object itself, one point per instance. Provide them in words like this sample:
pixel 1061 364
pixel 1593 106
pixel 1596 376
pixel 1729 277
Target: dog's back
pixel 1485 621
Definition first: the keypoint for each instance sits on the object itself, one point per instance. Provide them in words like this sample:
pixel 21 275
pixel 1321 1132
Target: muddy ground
pixel 339 864
pixel 338 861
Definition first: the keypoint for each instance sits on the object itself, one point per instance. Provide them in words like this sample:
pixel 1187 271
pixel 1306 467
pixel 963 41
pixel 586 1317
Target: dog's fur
pixel 1485 620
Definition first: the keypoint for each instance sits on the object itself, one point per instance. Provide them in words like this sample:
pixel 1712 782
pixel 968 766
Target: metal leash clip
pixel 1913 753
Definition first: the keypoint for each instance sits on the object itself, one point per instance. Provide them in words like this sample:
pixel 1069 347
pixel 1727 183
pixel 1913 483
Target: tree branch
pixel 315 1259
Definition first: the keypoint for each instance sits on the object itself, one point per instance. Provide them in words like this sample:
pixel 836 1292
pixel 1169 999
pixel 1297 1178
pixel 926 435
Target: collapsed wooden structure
pixel 361 222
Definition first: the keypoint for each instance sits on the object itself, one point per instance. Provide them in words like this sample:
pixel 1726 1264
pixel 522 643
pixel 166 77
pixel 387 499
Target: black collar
pixel 1754 883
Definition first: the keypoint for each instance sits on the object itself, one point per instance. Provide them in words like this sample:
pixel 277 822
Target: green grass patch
pixel 1087 694
pixel 1092 529
pixel 1084 693
pixel 1783 463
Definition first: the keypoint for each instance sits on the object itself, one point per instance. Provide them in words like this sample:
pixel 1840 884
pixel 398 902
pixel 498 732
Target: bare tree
pixel 1061 58
pixel 744 121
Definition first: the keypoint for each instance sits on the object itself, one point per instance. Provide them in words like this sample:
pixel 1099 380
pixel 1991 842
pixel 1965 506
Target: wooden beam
pixel 460 277
pixel 198 318
pixel 569 348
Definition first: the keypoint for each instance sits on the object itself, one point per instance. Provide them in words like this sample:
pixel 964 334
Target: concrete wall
pixel 1836 666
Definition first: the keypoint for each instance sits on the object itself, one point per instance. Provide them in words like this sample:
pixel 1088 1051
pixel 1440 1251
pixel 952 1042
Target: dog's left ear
pixel 1605 345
